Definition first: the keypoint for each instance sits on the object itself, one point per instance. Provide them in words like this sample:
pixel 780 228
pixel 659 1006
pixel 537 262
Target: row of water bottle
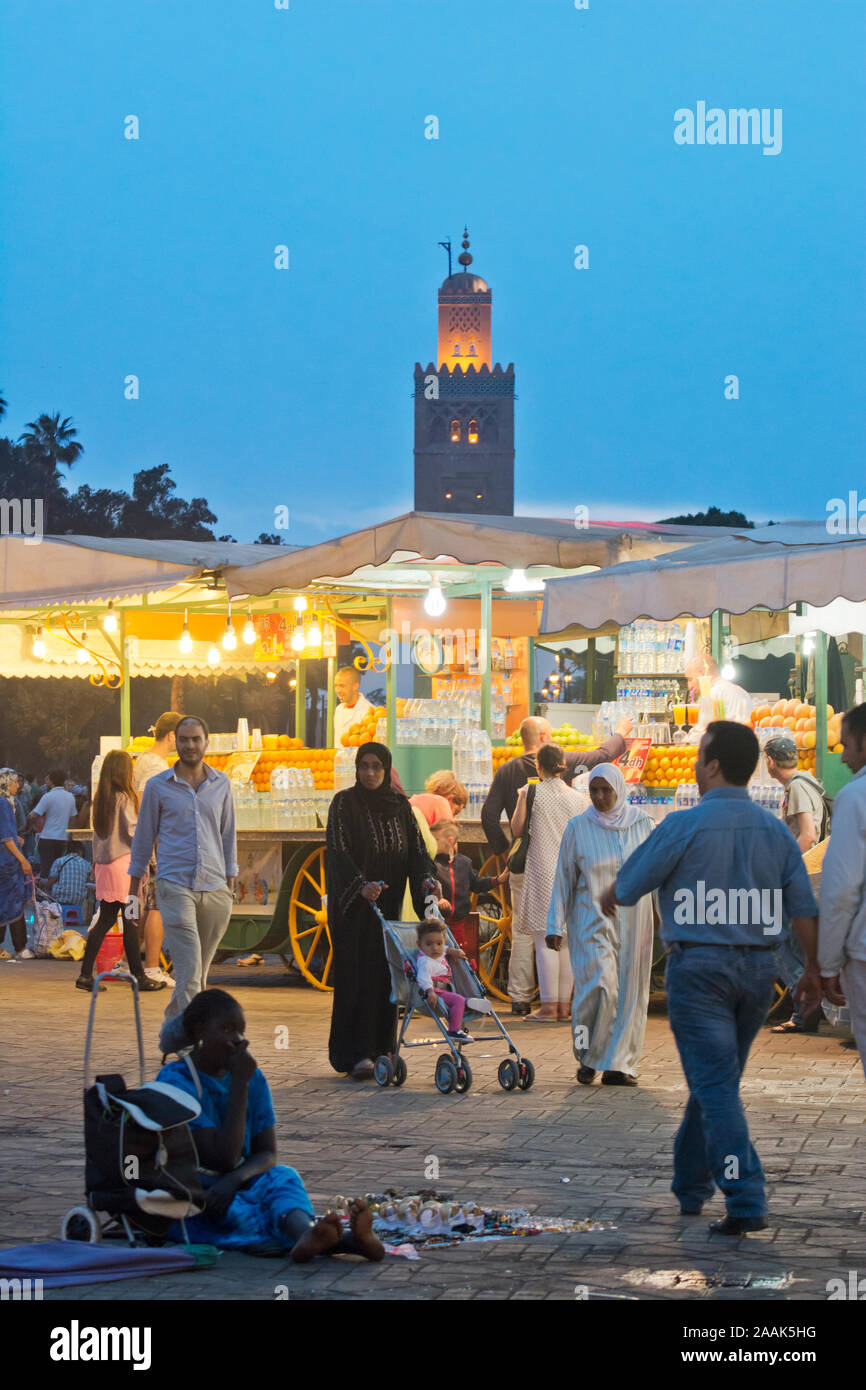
pixel 650 698
pixel 437 721
pixel 646 648
pixel 656 807
pixel 293 798
pixel 472 758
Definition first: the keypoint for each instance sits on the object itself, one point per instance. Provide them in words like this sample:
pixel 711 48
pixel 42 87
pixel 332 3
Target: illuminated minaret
pixel 464 408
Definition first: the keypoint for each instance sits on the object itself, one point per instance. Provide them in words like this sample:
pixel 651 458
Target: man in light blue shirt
pixel 729 877
pixel 189 810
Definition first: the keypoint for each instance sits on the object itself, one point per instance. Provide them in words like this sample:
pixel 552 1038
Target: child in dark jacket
pixel 457 877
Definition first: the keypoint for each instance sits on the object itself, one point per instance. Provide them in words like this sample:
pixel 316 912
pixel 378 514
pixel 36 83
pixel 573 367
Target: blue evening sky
pixel 306 127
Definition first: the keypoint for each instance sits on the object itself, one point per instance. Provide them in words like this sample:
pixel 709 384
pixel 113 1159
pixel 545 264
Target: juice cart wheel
pixel 508 1074
pixel 81 1224
pixel 383 1071
pixel 780 994
pixel 464 1076
pixel 445 1076
pixel 308 921
pixel 399 1071
pixel 527 1073
pixel 494 930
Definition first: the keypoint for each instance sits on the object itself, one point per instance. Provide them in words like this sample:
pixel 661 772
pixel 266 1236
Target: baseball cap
pixel 782 750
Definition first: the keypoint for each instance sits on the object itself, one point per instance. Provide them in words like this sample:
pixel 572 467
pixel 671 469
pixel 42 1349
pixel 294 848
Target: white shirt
pixel 842 920
pixel 347 715
pixel 147 765
pixel 431 971
pixel 738 703
pixel 58 807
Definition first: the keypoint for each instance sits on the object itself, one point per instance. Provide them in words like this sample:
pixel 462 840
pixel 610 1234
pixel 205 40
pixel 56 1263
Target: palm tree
pixel 50 441
pixel 2 405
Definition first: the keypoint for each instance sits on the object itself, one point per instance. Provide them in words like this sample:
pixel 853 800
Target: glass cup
pixel 679 715
pixel 693 711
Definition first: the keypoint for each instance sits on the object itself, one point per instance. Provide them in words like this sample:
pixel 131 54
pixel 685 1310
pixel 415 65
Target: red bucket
pixel 109 952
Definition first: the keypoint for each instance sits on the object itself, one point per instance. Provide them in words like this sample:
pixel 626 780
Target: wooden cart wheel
pixel 780 994
pixel 494 931
pixel 308 921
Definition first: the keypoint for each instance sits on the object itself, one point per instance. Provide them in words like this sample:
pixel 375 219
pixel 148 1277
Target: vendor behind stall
pixel 737 701
pixel 353 705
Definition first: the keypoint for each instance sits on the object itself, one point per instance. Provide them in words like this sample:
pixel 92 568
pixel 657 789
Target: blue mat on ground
pixel 59 1262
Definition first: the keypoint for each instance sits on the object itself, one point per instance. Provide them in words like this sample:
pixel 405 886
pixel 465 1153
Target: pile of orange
pixel 502 753
pixel 365 731
pixel 667 766
pixel 799 721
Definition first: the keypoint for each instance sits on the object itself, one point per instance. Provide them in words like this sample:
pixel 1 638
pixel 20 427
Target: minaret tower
pixel 464 408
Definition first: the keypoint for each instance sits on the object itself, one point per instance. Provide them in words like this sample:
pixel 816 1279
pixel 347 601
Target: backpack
pixel 47 923
pixel 824 830
pixel 141 1159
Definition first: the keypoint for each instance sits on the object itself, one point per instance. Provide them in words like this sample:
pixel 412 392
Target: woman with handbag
pixel 543 811
pixel 16 876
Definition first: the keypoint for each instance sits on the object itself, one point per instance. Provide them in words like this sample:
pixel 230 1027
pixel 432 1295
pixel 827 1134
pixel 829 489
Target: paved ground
pixel 805 1095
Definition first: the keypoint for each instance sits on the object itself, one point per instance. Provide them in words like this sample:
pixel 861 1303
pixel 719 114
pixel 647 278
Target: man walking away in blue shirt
pixel 730 876
pixel 189 810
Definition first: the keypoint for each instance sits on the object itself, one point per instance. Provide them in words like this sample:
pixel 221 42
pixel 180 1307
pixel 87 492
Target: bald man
pixel 738 703
pixel 353 705
pixel 502 796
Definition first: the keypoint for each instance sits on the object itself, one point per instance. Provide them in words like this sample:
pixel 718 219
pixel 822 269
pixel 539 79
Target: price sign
pixel 239 766
pixel 634 759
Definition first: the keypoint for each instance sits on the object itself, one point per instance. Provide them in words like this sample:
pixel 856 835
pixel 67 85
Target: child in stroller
pixel 434 976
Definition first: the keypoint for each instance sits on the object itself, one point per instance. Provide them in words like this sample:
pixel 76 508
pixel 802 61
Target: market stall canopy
pixel 770 567
pixel 512 542
pixel 81 569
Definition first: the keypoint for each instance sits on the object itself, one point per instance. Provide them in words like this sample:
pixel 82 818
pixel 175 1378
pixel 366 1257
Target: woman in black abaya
pixel 373 845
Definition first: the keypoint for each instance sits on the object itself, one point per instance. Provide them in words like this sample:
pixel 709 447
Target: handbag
pixel 47 923
pixel 516 857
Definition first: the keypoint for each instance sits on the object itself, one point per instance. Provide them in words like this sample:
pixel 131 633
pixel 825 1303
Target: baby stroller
pixel 140 1157
pixel 453 1072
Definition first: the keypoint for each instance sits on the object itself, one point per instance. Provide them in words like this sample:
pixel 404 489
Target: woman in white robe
pixel 610 957
pixel 554 804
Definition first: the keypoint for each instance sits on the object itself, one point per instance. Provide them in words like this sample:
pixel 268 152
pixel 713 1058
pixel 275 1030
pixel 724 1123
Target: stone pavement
pixel 806 1101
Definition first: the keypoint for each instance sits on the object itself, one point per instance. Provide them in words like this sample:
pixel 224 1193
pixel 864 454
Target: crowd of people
pixel 724 884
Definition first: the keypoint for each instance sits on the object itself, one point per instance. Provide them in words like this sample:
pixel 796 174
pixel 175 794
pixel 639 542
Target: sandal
pixel 539 1017
pixel 250 960
pixel 806 1026
pixel 586 1075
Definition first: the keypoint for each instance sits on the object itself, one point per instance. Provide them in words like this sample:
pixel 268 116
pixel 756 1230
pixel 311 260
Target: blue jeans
pixel 717 1000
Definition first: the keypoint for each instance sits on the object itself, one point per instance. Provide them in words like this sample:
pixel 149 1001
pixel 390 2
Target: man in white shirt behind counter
pixel 353 705
pixel 738 702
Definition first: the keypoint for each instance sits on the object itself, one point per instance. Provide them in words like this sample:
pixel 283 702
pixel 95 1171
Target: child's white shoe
pixel 479 1006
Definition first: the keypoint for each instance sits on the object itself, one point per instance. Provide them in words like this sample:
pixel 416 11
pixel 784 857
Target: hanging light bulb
pixel 299 641
pixel 38 648
pixel 249 633
pixel 434 603
pixel 213 655
pixel 271 675
pixel 314 632
pixel 300 604
pixel 109 622
pixel 83 654
pixel 185 642
pixel 727 672
pixel 230 640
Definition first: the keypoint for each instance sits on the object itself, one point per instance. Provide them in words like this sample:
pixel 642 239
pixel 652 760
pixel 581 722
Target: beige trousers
pixel 194 926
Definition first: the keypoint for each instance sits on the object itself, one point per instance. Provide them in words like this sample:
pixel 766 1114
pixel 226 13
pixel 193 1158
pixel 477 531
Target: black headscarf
pixel 385 797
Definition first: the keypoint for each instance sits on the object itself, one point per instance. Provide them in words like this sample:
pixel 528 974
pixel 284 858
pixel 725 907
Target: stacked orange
pixel 669 765
pixel 365 730
pixel 799 721
pixel 503 753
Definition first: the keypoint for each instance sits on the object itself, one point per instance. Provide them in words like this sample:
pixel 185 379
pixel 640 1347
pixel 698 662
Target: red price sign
pixel 634 759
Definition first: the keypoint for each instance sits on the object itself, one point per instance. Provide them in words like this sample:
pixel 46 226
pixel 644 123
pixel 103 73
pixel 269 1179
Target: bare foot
pixel 361 1225
pixel 319 1240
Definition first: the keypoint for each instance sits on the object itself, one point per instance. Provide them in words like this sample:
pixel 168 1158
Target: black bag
pixel 141 1159
pixel 516 857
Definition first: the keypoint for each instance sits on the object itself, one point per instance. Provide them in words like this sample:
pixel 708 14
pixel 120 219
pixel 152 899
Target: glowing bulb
pixel 271 675
pixel 727 672
pixel 230 640
pixel 38 647
pixel 434 603
pixel 83 654
pixel 185 642
pixel 298 639
pixel 213 656
pixel 109 622
pixel 314 634
pixel 300 604
pixel 249 633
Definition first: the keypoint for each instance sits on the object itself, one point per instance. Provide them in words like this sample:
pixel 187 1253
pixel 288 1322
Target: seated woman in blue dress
pixel 252 1202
